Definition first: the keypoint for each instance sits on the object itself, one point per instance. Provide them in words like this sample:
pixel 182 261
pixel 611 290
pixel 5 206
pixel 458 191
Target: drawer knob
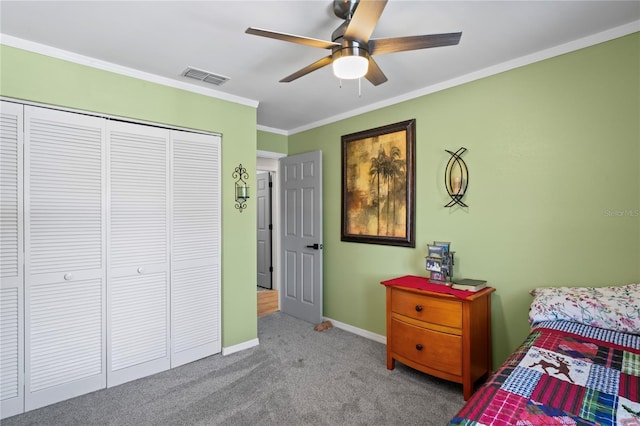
pixel 419 347
pixel 418 308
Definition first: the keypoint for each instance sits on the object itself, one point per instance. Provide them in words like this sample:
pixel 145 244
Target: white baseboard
pixel 359 331
pixel 228 350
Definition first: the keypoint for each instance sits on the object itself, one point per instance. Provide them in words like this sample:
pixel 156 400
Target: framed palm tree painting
pixel 378 185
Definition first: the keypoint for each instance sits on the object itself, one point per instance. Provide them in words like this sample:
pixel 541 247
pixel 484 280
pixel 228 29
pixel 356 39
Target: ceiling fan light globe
pixel 350 67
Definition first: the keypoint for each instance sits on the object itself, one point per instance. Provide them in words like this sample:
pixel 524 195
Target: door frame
pixel 267 161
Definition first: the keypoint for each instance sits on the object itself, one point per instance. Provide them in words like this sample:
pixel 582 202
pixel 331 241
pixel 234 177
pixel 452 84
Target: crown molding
pixel 76 58
pixel 562 49
pixel 271 130
pixel 486 72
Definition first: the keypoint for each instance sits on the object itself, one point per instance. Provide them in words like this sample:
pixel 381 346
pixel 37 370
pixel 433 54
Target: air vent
pixel 206 76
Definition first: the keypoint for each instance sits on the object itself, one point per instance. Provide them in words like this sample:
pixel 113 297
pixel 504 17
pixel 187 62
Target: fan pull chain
pixel 359 86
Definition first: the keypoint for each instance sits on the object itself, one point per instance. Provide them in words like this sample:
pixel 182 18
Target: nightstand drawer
pixel 440 351
pixel 425 308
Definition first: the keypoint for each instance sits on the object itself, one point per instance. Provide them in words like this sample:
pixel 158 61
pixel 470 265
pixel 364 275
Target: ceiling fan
pixel 351 48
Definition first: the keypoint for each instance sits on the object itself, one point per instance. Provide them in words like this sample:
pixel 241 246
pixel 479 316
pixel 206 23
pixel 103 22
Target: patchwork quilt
pixel 565 373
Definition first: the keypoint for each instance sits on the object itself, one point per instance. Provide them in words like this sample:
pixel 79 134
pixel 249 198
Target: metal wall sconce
pixel 456 178
pixel 242 190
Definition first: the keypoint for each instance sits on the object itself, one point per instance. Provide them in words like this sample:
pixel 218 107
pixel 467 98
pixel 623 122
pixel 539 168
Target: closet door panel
pixel 64 255
pixel 138 343
pixel 195 266
pixel 64 319
pixel 11 261
pixel 138 336
pixel 195 313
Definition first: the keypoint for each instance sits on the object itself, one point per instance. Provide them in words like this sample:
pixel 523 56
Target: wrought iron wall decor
pixel 242 189
pixel 456 178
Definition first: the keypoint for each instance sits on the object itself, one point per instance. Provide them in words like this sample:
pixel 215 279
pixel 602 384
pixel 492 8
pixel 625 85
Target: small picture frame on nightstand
pixel 434 264
pixel 443 244
pixel 436 251
pixel 438 277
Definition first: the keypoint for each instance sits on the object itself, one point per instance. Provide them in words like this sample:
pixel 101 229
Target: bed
pixel 580 365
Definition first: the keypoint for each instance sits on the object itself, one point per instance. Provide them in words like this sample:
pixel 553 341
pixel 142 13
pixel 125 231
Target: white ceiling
pixel 164 37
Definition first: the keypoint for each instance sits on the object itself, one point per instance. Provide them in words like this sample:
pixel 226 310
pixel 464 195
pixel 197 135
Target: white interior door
pixel 138 252
pixel 65 227
pixel 263 204
pixel 195 260
pixel 11 261
pixel 301 182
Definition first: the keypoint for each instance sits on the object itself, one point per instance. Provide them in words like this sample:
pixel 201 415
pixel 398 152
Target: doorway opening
pixel 268 232
pixel 264 188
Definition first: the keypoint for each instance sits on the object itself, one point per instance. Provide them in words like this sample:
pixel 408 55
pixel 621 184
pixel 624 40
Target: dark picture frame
pixel 378 185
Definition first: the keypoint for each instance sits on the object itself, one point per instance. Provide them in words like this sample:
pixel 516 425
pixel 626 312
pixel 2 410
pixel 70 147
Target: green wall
pixel 33 77
pixel 273 142
pixel 554 186
pixel 554 192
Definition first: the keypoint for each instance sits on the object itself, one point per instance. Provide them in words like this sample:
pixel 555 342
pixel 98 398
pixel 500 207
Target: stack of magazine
pixel 469 284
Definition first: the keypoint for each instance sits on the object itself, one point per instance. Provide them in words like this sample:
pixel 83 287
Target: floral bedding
pixel 565 373
pixel 612 308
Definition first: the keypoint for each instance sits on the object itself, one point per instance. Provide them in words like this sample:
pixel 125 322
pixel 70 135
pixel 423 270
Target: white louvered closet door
pixel 138 259
pixel 195 262
pixel 64 255
pixel 11 261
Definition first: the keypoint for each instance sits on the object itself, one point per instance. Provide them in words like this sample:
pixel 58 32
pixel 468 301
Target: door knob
pixel 315 246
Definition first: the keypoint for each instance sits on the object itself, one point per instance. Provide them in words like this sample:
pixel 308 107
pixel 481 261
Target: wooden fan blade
pixel 375 74
pixel 307 41
pixel 364 20
pixel 309 68
pixel 401 44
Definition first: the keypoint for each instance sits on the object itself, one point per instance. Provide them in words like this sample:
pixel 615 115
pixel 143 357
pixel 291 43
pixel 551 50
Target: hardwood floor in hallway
pixel 267 301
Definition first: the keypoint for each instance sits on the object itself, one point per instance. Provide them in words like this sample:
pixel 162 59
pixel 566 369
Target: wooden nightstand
pixel 440 334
